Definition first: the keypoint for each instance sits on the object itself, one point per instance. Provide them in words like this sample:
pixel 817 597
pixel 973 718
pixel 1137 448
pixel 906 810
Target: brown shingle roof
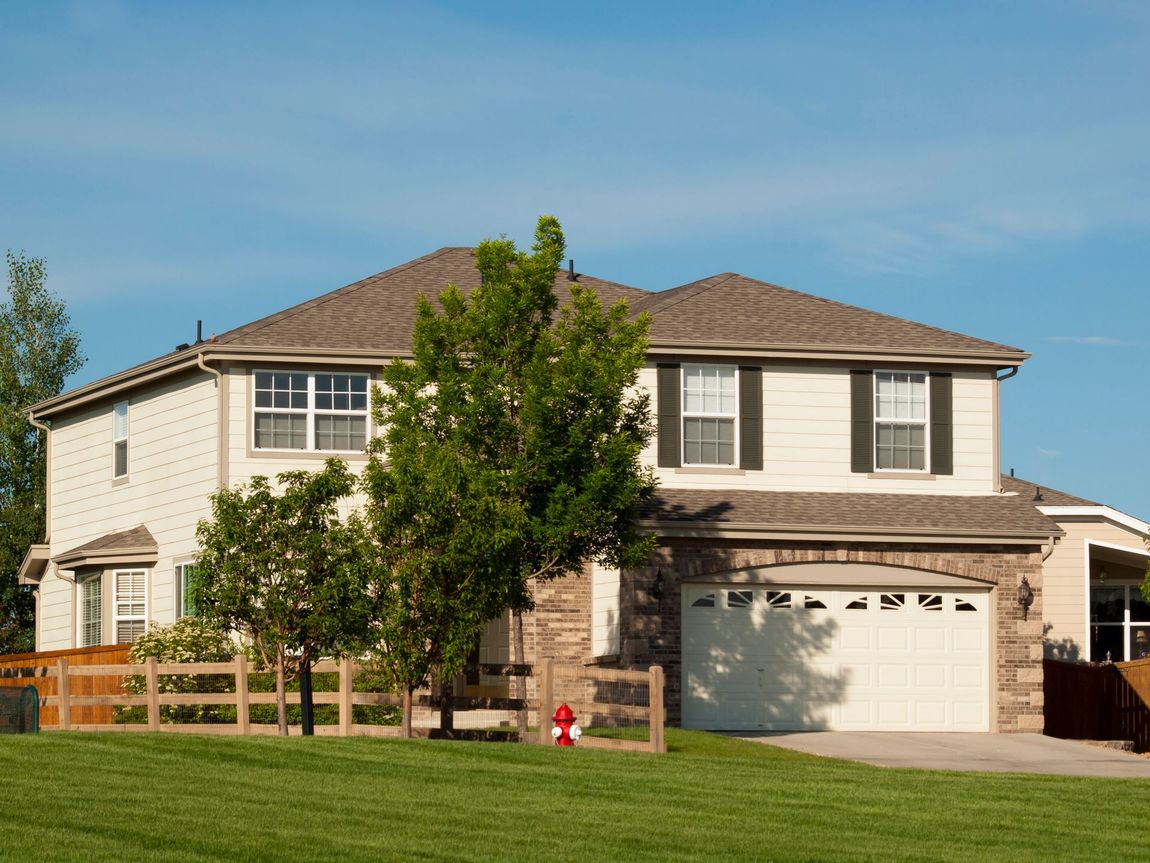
pixel 377 314
pixel 851 512
pixel 729 308
pixel 136 537
pixel 1050 496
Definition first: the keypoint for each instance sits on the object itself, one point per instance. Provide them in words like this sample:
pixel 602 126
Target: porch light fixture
pixel 1025 596
pixel 657 585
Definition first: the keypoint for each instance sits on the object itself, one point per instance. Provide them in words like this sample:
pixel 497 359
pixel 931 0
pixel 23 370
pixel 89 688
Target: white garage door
pixel 788 658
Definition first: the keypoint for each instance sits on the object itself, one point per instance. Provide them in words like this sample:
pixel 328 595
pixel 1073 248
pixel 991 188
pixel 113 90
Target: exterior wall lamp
pixel 658 585
pixel 1025 596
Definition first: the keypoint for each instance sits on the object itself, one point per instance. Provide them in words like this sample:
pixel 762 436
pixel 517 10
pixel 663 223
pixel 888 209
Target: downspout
pixel 47 473
pixel 997 443
pixel 221 430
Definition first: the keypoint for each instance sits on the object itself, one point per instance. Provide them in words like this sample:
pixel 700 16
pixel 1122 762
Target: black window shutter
pixel 669 415
pixel 941 423
pixel 751 417
pixel 862 421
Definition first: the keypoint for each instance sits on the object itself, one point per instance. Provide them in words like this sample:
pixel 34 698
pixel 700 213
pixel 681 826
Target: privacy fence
pixel 1105 701
pixel 98 690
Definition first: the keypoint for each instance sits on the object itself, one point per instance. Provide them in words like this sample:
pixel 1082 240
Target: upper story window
pixel 310 411
pixel 710 412
pixel 120 440
pixel 185 605
pixel 900 420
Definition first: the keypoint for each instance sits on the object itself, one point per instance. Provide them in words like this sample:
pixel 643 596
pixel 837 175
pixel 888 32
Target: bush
pixel 189 639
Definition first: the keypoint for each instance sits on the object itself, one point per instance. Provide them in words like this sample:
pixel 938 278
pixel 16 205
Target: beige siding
pixel 1065 584
pixel 807 435
pixel 605 592
pixel 172 469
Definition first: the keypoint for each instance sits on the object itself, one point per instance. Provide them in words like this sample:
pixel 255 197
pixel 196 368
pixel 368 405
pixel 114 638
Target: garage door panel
pixel 869 659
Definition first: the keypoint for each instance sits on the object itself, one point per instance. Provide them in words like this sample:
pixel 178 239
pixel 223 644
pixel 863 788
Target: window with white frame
pixel 186 606
pixel 900 420
pixel 710 412
pixel 323 411
pixel 129 611
pixel 91 612
pixel 1119 623
pixel 120 440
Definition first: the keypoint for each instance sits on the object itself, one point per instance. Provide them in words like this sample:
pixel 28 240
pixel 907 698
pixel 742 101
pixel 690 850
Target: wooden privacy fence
pixel 626 706
pixel 23 669
pixel 1098 702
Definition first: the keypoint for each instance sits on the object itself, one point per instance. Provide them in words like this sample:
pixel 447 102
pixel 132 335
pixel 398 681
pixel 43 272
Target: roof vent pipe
pixel 1012 473
pixel 1037 493
pixel 570 269
pixel 199 331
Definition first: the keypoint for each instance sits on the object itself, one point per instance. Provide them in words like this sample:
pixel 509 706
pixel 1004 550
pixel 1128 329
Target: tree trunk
pixel 281 693
pixel 405 723
pixel 520 682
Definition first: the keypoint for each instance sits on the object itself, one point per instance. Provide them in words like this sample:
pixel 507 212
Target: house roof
pixel 377 314
pixel 1050 496
pixel 943 517
pixel 135 545
pixel 730 309
pixel 372 319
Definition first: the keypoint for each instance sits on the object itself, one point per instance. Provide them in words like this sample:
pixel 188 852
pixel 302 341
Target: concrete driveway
pixel 999 753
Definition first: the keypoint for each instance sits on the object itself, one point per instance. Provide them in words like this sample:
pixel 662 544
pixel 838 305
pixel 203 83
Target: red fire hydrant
pixel 565 732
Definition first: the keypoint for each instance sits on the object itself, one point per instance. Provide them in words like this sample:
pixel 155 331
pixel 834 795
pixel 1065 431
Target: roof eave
pixel 1000 359
pixel 34 565
pixel 843 533
pixel 82 558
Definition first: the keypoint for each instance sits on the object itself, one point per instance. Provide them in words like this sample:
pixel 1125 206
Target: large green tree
pixel 277 567
pixel 510 453
pixel 38 351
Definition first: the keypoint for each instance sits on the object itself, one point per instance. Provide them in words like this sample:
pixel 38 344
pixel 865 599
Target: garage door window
pixel 707 600
pixel 930 602
pixel 812 602
pixel 739 598
pixel 859 604
pixel 892 601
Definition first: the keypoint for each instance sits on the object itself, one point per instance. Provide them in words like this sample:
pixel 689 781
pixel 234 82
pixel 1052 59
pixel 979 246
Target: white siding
pixel 1065 586
pixel 807 435
pixel 172 469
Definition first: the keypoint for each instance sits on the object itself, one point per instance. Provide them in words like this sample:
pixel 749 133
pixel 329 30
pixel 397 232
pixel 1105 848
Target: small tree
pixel 512 444
pixel 38 351
pixel 276 568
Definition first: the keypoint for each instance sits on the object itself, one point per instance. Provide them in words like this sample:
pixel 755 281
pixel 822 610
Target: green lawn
pixel 153 797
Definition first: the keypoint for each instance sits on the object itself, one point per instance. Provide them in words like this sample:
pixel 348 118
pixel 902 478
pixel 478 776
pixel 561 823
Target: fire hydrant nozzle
pixel 565 732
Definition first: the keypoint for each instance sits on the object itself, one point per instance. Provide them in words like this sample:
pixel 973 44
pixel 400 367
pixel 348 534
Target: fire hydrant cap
pixel 563 714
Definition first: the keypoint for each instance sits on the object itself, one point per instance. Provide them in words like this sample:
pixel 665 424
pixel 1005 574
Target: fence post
pixel 546 700
pixel 346 679
pixel 63 702
pixel 243 720
pixel 657 714
pixel 153 694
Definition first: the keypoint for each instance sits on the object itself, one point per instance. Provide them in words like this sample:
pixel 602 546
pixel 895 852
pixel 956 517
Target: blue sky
pixel 980 166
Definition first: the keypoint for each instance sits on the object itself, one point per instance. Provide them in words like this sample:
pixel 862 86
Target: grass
pixel 160 797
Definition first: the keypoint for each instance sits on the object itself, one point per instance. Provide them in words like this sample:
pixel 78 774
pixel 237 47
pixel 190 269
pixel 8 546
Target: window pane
pixel 708 441
pixel 120 457
pixel 336 432
pixel 1139 642
pixel 281 431
pixel 1139 609
pixel 91 607
pixel 128 631
pixel 1106 642
pixel 120 421
pixel 1107 604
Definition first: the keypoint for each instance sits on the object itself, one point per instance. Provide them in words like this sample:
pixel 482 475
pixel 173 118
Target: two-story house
pixel 837 548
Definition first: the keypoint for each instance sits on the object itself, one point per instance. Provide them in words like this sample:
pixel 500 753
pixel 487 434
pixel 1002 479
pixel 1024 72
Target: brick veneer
pixel 651 628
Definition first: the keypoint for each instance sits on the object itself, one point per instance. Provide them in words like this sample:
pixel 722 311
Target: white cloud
pixel 1048 453
pixel 1092 340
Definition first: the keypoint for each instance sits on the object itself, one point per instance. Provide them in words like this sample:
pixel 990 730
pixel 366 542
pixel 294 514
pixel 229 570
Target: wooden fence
pixel 1098 702
pixel 609 699
pixel 69 702
pixel 22 669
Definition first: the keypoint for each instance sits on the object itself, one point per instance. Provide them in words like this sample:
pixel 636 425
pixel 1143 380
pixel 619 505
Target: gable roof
pixel 377 314
pixel 730 309
pixel 1000 517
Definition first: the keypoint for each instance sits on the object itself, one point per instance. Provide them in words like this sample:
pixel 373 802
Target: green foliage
pixel 279 568
pixel 189 639
pixel 38 350
pixel 510 453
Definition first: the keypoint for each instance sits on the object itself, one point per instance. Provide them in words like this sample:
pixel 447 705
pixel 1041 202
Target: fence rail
pixel 1098 702
pixel 613 700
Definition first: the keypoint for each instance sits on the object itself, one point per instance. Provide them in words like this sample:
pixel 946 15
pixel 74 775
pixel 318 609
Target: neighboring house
pixel 837 546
